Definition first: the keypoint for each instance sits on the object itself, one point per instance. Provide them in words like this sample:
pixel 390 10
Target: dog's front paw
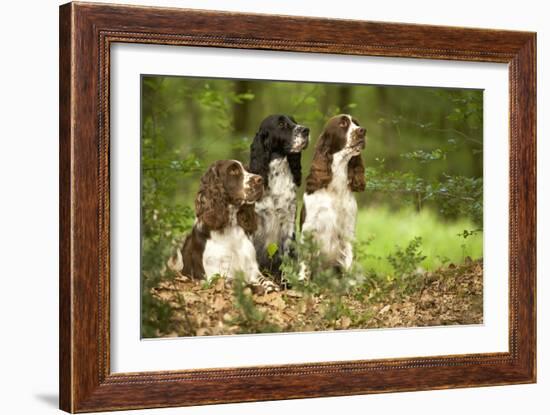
pixel 304 274
pixel 264 286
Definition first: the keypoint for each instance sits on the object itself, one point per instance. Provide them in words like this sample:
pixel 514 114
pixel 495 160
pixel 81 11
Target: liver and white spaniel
pixel 275 154
pixel 220 242
pixel 337 170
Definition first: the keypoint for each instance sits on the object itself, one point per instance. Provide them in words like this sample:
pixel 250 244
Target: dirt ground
pixel 449 296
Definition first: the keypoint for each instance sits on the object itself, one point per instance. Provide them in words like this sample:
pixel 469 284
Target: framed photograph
pixel 258 207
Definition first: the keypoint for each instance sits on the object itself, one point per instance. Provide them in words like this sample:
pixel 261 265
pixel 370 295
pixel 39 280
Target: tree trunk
pixel 344 97
pixel 241 111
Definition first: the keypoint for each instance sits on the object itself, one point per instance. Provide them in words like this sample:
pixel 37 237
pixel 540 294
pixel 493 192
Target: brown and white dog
pixel 220 242
pixel 330 209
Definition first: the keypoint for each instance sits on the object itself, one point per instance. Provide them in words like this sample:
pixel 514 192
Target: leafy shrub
pixel 322 282
pixel 454 195
pixel 405 261
pixel 249 318
pixel 163 221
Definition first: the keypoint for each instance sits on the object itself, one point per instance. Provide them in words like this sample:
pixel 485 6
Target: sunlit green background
pixel 418 133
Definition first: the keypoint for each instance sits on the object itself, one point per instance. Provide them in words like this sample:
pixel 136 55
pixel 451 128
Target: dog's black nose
pixel 305 131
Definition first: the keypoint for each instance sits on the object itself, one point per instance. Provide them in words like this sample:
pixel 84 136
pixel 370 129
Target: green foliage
pixel 406 261
pixel 467 233
pixel 380 228
pixel 435 179
pixel 408 277
pixel 249 318
pixel 211 282
pixel 321 281
pixel 156 315
pixel 425 156
pixel 272 249
pixel 468 109
pixel 454 196
pixel 163 220
pixel 219 101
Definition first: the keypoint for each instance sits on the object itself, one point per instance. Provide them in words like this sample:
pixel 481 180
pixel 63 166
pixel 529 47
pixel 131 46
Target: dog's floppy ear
pixel 260 153
pixel 211 201
pixel 247 219
pixel 356 174
pixel 295 165
pixel 320 173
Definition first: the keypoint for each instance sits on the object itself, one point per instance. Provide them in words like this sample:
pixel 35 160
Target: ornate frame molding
pixel 86 33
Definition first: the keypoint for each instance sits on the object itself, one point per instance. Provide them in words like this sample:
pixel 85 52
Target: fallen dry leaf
pixel 385 309
pixel 219 303
pixel 450 295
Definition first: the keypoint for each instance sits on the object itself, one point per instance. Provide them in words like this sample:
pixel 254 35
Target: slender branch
pixel 441 130
pixel 306 96
pixel 453 130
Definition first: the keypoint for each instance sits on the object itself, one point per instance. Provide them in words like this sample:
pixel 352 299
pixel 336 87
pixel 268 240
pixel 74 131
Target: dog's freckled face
pixel 344 138
pixel 279 136
pixel 225 184
pixel 356 135
pixel 240 185
pixel 290 137
pixel 300 138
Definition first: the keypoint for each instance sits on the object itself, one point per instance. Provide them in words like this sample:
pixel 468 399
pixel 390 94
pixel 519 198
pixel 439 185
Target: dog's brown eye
pixel 281 124
pixel 234 171
pixel 344 122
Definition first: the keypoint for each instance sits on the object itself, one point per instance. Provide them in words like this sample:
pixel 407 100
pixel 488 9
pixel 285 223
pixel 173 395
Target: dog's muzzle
pixel 300 139
pixel 359 138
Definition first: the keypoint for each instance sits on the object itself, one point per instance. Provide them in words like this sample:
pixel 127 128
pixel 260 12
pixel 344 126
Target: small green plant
pixel 159 315
pixel 454 196
pixel 272 249
pixel 323 283
pixel 443 259
pixel 467 233
pixel 249 318
pixel 209 283
pixel 406 261
pixel 361 250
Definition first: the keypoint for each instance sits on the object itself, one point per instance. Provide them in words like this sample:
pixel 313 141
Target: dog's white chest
pixel 331 212
pixel 277 208
pixel 228 252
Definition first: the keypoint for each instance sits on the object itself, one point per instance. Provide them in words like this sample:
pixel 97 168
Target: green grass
pixel 439 237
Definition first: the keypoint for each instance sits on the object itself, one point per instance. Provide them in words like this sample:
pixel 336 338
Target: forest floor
pixel 451 295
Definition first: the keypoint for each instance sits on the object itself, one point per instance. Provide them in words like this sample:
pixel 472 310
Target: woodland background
pixel 419 229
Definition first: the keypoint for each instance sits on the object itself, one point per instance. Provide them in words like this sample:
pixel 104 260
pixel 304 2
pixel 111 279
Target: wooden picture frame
pixel 86 33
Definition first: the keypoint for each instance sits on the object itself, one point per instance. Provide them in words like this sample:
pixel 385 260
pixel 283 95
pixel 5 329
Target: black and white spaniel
pixel 275 154
pixel 330 209
pixel 220 242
